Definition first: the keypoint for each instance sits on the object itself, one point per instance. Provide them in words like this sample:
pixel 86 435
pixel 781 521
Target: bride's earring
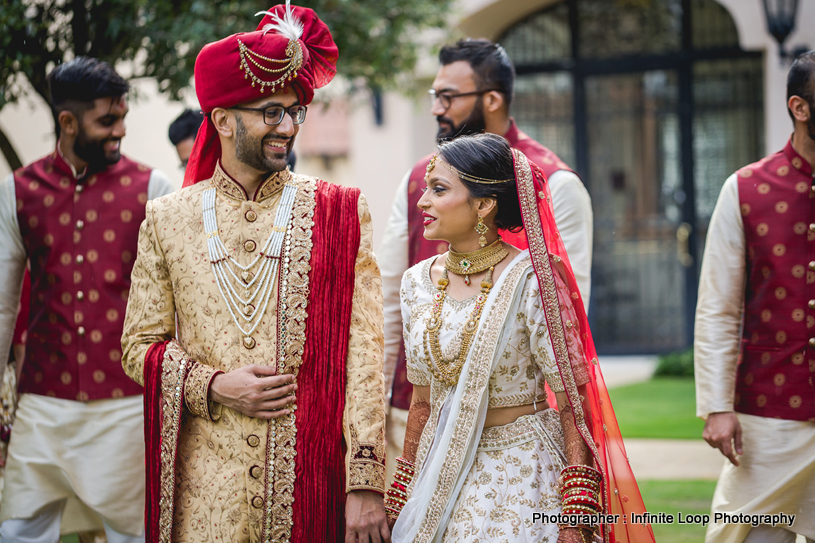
pixel 482 229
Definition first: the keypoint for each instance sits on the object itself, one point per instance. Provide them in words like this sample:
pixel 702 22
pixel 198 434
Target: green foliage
pixel 659 408
pixel 377 39
pixel 676 364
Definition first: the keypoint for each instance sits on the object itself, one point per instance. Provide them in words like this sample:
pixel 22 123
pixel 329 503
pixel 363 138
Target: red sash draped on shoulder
pixel 319 488
pixel 569 327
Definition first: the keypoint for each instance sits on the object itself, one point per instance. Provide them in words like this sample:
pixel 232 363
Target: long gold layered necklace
pixel 485 259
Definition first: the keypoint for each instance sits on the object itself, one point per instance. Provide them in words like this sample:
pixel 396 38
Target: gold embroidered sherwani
pixel 222 482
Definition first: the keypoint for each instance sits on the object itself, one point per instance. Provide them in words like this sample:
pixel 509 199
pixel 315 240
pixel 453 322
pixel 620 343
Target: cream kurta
pixel 221 453
pixel 777 471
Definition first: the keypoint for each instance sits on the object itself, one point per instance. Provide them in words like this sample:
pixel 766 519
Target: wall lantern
pixel 781 22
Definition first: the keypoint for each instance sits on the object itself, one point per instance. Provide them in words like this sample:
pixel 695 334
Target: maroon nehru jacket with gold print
pixel 80 236
pixel 777 358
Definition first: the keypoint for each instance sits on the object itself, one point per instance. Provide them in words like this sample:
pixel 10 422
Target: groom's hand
pixel 365 520
pixel 255 391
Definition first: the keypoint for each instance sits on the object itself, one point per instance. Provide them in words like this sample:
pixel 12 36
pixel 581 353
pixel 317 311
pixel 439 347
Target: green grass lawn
pixel 664 407
pixel 687 497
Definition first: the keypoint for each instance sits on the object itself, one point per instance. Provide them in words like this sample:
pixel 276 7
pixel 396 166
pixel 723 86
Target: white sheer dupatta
pixel 450 438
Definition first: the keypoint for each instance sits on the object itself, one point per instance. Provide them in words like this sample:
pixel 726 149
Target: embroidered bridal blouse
pixel 528 359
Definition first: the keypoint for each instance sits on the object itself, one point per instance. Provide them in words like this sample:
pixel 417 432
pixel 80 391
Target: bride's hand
pixel 574 535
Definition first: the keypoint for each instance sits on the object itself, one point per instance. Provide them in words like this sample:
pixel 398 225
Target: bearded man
pixel 471 94
pixel 74 215
pixel 265 417
pixel 754 351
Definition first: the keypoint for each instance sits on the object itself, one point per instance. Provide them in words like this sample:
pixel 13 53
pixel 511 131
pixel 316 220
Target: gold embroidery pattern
pixel 550 421
pixel 272 185
pixel 281 435
pixel 554 381
pixel 515 400
pixel 427 281
pixel 540 255
pixel 502 491
pixel 367 465
pixel 525 429
pixel 196 389
pixel 226 185
pixel 174 370
pixel 477 378
pixel 232 190
pixel 509 435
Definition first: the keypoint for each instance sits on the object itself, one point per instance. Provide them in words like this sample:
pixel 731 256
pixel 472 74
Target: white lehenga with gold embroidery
pixel 476 484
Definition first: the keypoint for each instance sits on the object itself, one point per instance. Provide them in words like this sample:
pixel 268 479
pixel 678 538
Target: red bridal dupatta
pixel 575 354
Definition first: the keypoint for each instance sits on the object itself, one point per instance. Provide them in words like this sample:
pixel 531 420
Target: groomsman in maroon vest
pixel 77 444
pixel 755 334
pixel 472 93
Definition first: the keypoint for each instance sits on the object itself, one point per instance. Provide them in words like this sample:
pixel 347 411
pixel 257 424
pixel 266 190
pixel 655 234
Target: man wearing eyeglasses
pixel 255 316
pixel 471 94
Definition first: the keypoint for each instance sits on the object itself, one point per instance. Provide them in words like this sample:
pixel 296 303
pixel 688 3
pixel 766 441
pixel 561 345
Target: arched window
pixel 654 103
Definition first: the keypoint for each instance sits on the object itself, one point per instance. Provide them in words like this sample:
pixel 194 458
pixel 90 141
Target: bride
pixel 487 326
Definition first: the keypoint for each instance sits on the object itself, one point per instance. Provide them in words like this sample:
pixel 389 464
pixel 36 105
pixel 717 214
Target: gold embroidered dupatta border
pixel 292 300
pixel 174 370
pixel 548 289
pixel 476 379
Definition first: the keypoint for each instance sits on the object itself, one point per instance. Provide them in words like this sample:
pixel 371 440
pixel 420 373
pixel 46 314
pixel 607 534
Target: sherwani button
pixel 812 227
pixel 253 440
pixel 812 304
pixel 251 216
pixel 80 295
pixel 249 245
pixel 812 342
pixel 249 342
pixel 257 502
pixel 80 259
pixel 256 472
pixel 80 188
pixel 80 224
pixel 80 331
pixel 812 265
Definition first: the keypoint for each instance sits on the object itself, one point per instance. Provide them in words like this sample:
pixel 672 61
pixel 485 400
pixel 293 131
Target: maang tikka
pixel 482 229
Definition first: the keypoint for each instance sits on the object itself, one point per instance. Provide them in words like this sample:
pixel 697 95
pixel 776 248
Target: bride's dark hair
pixel 487 156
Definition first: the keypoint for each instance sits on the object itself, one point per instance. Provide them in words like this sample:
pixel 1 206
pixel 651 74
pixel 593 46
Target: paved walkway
pixel 672 459
pixel 665 459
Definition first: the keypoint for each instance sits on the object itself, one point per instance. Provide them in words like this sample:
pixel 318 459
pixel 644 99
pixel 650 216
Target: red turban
pixel 293 48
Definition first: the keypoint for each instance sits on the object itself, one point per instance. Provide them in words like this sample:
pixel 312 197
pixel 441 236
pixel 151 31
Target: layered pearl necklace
pixel 247 298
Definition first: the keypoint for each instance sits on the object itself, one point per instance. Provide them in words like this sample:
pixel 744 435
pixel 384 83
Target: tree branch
pixel 9 152
pixel 79 26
